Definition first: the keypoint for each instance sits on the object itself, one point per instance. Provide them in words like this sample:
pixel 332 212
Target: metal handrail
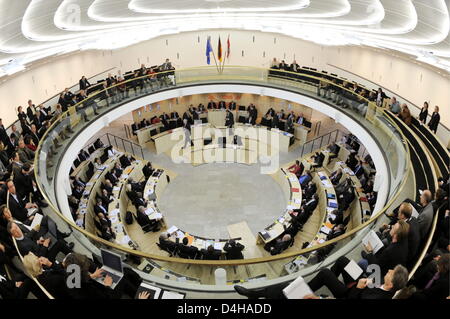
pixel 211 262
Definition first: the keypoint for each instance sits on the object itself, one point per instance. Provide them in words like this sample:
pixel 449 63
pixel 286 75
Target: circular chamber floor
pixel 204 200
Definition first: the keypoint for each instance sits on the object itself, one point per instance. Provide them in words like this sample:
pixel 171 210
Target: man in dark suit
pixel 99 208
pixel 166 244
pixel 113 178
pixel 134 128
pixel 28 186
pixel 29 242
pixel 275 121
pixel 186 251
pixel 310 190
pixel 405 214
pixel 222 105
pixel 84 83
pixel 144 221
pixel 334 151
pixel 436 283
pixel 311 205
pixel 279 245
pixel 396 253
pixel 336 176
pixel 232 105
pixel 210 253
pixel 233 250
pixel 229 119
pixel 18 207
pixel 147 170
pixel 426 214
pixel 434 121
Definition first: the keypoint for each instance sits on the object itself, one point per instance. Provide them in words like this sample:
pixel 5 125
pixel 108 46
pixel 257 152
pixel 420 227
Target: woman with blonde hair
pixel 50 275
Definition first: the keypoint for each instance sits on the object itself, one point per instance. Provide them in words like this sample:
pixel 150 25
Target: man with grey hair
pixel 426 214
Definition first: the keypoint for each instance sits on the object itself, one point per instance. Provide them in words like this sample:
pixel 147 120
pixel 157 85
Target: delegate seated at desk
pixel 144 221
pixel 334 150
pixel 210 253
pixel 233 250
pixel 297 168
pixel 186 251
pixel 305 178
pixel 279 245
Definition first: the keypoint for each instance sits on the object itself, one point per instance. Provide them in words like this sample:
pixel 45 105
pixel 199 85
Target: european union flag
pixel 208 50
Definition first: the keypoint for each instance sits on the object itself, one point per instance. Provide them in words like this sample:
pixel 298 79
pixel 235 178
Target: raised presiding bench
pixel 291 188
pixel 176 235
pixel 144 134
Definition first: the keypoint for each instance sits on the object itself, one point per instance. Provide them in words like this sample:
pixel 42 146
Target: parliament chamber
pixel 161 177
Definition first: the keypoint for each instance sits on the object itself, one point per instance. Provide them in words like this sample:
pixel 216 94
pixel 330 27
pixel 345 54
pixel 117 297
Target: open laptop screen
pixel 111 260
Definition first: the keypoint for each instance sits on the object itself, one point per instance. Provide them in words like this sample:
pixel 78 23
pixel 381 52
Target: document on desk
pixel 298 289
pixel 89 184
pixel 374 241
pixel 149 211
pixel 172 229
pixel 218 245
pixel 171 295
pixel 297 201
pixel 125 240
pixel 290 207
pixel 179 234
pixel 114 213
pixel 293 179
pixel 353 269
pixel 325 230
pixel 114 219
pixel 157 216
pixel 116 188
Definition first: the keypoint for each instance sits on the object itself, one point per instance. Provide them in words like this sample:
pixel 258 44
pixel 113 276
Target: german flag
pixel 219 50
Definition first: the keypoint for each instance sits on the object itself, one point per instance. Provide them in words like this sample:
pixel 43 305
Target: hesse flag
pixel 208 50
pixel 228 47
pixel 219 54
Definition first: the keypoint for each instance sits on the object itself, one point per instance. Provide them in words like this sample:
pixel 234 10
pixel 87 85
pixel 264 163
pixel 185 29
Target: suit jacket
pixel 17 208
pixel 434 121
pixel 279 247
pixel 425 219
pixel 438 290
pixel 187 251
pixel 168 245
pixel 369 293
pixel 147 171
pixel 25 183
pixel 28 243
pixel 413 239
pixel 214 255
pixel 84 84
pixel 234 252
pixel 391 256
pixel 310 206
pixel 98 209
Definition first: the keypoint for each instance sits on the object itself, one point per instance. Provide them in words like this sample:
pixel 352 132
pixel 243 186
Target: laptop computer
pixel 112 266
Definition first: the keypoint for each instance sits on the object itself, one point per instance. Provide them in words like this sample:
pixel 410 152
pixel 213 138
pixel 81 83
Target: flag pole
pixel 215 61
pixel 226 55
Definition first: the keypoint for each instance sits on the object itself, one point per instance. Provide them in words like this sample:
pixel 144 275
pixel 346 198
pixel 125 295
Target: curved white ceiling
pixel 34 29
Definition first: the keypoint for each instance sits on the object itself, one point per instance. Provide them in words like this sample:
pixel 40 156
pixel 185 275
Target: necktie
pixel 430 283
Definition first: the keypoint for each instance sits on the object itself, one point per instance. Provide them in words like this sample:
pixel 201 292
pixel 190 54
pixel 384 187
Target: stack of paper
pixel 149 211
pixel 374 241
pixel 172 229
pixel 353 269
pixel 297 289
pixel 325 230
pixel 179 234
pixel 125 240
pixel 114 213
pixel 218 245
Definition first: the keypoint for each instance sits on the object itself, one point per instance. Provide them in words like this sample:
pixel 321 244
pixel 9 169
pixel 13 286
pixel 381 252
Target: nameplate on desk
pixel 265 235
pixel 295 190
